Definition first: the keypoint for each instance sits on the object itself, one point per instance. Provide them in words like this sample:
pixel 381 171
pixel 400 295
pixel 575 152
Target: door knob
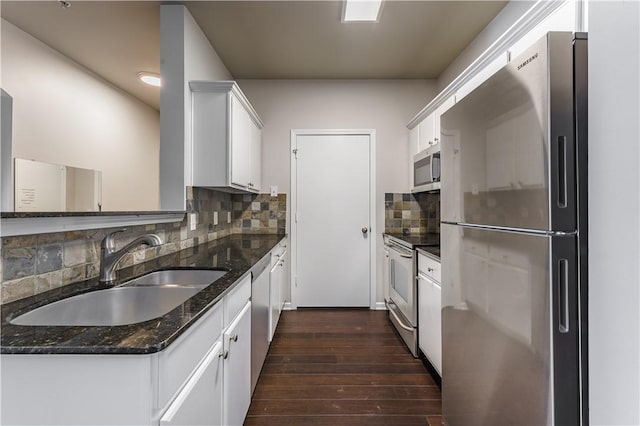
pixel 365 230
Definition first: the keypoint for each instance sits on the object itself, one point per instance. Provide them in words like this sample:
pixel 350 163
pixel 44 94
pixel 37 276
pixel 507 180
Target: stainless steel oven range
pixel 401 285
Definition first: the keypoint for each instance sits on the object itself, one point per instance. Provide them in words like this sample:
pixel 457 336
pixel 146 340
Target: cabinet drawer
pixel 278 252
pixel 183 356
pixel 236 299
pixel 429 267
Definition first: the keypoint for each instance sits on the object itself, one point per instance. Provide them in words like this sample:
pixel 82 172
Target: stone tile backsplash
pixel 412 213
pixel 32 264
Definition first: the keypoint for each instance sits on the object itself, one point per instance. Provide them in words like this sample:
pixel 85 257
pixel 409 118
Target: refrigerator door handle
pixel 562 172
pixel 563 295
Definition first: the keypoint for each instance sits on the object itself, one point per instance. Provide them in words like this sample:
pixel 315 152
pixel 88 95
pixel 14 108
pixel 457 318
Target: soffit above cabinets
pixel 260 39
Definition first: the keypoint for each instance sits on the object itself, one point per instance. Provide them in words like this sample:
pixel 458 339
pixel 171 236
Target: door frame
pixel 372 205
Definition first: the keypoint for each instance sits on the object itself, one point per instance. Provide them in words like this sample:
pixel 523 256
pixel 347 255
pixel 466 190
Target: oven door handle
pixel 400 323
pixel 404 253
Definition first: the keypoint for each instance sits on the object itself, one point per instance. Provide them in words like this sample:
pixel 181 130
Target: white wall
pixel 384 105
pixel 64 114
pixel 186 55
pixel 614 212
pixel 505 19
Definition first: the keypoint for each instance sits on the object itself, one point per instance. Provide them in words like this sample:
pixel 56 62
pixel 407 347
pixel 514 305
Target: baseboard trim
pixel 288 307
pixel 380 306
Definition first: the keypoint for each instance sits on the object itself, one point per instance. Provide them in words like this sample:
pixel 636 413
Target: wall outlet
pixel 274 190
pixel 193 221
pixel 228 217
pixel 215 218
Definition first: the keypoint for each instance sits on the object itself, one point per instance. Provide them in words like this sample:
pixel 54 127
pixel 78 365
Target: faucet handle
pixel 107 241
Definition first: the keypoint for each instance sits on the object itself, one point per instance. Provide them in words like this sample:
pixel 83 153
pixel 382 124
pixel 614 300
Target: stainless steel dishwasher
pixel 259 317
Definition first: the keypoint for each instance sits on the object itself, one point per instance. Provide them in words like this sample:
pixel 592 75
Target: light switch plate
pixel 228 217
pixel 215 218
pixel 193 221
pixel 274 190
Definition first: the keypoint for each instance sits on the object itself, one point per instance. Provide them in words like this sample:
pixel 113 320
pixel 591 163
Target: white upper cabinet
pixel 444 107
pixel 227 138
pixel 562 19
pixel 482 75
pixel 255 183
pixel 426 133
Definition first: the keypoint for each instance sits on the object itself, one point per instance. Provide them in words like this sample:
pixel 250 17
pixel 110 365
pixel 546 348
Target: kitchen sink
pixel 141 299
pixel 178 277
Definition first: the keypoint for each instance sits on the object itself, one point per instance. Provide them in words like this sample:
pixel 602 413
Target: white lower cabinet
pixel 237 368
pixel 429 311
pixel 277 285
pixel 203 378
pixel 200 401
pixel 275 278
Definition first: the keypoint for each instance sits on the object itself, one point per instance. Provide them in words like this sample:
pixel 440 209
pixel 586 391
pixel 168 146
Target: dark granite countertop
pixel 433 252
pixel 23 215
pixel 237 253
pixel 413 241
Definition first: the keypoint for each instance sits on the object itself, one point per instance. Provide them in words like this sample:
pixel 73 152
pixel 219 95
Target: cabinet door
pixel 200 400
pixel 563 19
pixel 436 117
pixel 482 75
pixel 435 306
pixel 430 322
pixel 425 133
pixel 237 368
pixel 240 144
pixel 256 158
pixel 414 143
pixel 275 278
pixel 284 279
pixel 424 322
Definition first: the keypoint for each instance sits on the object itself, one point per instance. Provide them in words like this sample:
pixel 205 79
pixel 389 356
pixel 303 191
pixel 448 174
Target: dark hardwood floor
pixel 342 367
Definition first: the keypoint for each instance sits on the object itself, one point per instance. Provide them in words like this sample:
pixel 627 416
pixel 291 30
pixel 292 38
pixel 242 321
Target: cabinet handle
pixel 223 354
pixel 429 269
pixel 234 338
pixel 436 140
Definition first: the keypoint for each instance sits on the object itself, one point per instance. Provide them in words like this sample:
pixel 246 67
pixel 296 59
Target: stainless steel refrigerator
pixel 514 242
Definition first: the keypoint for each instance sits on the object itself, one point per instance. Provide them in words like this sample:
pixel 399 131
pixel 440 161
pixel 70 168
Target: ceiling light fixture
pixel 150 78
pixel 361 10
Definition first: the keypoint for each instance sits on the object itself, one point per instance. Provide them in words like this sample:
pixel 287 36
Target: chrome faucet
pixel 109 257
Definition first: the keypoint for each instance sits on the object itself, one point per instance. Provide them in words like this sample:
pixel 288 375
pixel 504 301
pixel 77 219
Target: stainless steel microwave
pixel 426 170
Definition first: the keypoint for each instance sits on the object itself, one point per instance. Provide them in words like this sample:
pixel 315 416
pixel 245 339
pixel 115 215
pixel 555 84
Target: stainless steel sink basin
pixel 138 300
pixel 178 277
pixel 114 306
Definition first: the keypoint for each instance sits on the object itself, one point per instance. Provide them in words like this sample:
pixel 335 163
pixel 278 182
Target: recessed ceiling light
pixel 361 10
pixel 150 78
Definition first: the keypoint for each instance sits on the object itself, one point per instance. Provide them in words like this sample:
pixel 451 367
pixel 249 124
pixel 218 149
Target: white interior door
pixel 333 241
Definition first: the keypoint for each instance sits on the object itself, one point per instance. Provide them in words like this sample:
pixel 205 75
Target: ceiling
pixel 260 39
